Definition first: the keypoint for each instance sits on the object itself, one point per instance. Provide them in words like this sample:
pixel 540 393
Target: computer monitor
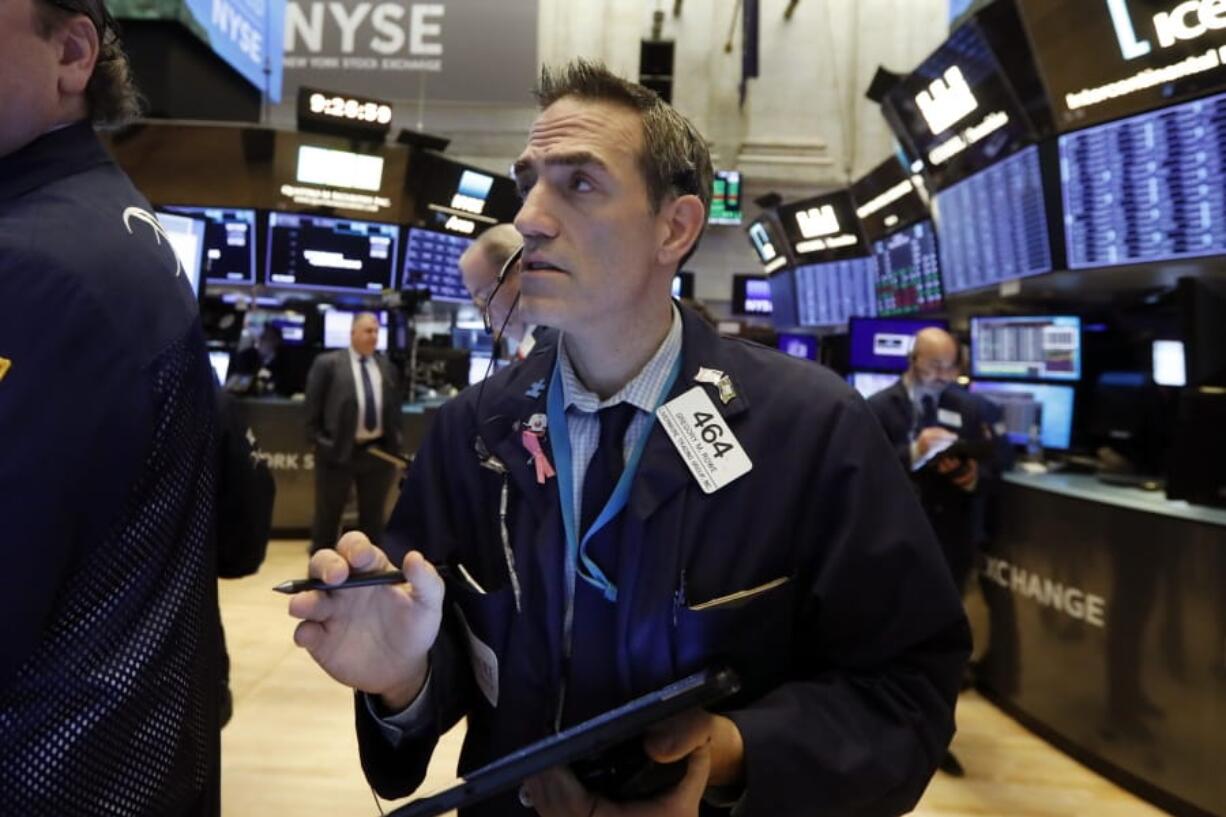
pixel 783 299
pixel 683 285
pixel 1036 347
pixel 338 324
pixel 869 383
pixel 1169 366
pixel 908 272
pixel 292 324
pixel 831 293
pixel 186 237
pixel 797 345
pixel 1025 405
pixel 751 295
pixel 884 344
pixel 432 263
pixel 229 242
pixel 725 198
pixel 335 254
pixel 219 359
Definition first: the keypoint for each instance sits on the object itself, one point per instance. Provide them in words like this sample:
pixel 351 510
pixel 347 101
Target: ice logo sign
pixel 947 101
pixel 1187 21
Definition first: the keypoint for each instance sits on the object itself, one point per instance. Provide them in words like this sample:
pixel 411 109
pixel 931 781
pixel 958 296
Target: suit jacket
pixel 332 406
pixel 109 664
pixel 840 617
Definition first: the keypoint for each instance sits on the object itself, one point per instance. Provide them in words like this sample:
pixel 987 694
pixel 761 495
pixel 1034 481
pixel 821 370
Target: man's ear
pixel 78 44
pixel 681 220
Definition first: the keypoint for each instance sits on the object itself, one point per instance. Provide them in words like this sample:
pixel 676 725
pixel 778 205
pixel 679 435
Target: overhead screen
pixel 884 344
pixel 830 294
pixel 1031 404
pixel 229 242
pixel 887 200
pixel 908 271
pixel 432 263
pixel 342 255
pixel 767 243
pixel 957 110
pixel 1148 188
pixel 1103 59
pixel 993 226
pixel 1032 348
pixel 725 198
pixel 784 313
pixel 823 228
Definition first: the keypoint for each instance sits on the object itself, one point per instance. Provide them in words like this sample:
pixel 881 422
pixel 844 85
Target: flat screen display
pixel 751 295
pixel 884 344
pixel 993 226
pixel 830 294
pixel 432 263
pixel 767 244
pixel 186 236
pixel 783 299
pixel 322 253
pixel 725 198
pixel 887 200
pixel 908 271
pixel 1041 347
pixel 1028 404
pixel 1103 59
pixel 292 324
pixel 869 383
pixel 229 242
pixel 1148 188
pixel 802 346
pixel 1169 365
pixel 338 323
pixel 823 228
pixel 957 109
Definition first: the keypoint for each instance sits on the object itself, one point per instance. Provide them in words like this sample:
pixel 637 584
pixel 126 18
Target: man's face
pixel 481 279
pixel 29 81
pixel 935 367
pixel 590 236
pixel 364 337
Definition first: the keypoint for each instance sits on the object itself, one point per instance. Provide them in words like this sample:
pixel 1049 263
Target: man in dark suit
pixel 923 415
pixel 353 417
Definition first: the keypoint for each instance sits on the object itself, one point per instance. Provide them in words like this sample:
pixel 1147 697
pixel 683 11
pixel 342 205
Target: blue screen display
pixel 1031 348
pixel 783 299
pixel 993 226
pixel 432 263
pixel 832 293
pixel 804 346
pixel 1026 404
pixel 1147 188
pixel 908 275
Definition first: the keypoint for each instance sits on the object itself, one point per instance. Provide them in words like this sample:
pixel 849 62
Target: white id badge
pixel 949 418
pixel 702 438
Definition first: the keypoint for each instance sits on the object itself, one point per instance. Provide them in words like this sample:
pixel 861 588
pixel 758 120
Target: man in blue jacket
pixel 109 661
pixel 673 499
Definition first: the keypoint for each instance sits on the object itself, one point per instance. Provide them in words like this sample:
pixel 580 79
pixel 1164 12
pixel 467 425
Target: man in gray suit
pixel 353 411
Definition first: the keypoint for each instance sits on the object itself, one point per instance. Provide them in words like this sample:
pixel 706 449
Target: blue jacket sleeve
pixel 74 413
pixel 861 731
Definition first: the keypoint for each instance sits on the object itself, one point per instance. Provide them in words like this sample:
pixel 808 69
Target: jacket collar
pixel 52 156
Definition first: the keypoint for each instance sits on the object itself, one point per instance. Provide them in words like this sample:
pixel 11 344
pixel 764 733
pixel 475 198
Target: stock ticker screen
pixel 993 225
pixel 432 263
pixel 1146 188
pixel 908 272
pixel 1038 347
pixel 830 294
pixel 316 252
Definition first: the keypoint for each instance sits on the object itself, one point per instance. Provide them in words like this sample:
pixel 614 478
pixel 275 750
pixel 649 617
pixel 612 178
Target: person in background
pixel 923 415
pixel 109 664
pixel 479 267
pixel 354 423
pixel 589 563
pixel 263 366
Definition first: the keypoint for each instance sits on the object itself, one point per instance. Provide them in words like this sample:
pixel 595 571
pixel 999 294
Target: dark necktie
pixel 607 463
pixel 928 416
pixel 371 417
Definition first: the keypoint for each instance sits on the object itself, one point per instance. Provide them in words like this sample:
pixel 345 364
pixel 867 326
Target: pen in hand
pixel 354 580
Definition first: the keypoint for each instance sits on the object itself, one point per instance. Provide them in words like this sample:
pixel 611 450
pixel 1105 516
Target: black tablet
pixel 579 741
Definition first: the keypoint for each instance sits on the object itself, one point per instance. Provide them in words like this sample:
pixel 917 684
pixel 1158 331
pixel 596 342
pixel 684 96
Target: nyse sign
pixel 480 51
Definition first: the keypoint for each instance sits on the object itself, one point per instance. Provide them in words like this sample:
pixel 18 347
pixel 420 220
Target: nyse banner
pixel 476 51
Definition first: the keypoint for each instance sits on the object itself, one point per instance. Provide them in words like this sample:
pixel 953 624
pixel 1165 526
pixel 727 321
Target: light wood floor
pixel 290 748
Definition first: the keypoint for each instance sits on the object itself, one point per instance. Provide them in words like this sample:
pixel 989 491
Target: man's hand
pixel 374 639
pixel 933 437
pixel 716 757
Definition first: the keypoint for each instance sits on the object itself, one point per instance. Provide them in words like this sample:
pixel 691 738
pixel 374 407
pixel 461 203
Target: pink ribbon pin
pixel 532 442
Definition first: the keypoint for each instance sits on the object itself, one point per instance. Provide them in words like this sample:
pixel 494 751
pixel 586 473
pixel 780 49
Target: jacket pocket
pixel 483 621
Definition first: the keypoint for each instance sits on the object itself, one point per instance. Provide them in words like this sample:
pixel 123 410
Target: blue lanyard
pixel 576 550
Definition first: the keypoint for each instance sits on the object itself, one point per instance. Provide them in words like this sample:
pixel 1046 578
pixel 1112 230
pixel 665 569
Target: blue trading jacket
pixel 108 605
pixel 851 638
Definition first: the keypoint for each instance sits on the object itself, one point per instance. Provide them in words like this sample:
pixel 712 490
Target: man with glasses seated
pixel 923 415
pixel 109 664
